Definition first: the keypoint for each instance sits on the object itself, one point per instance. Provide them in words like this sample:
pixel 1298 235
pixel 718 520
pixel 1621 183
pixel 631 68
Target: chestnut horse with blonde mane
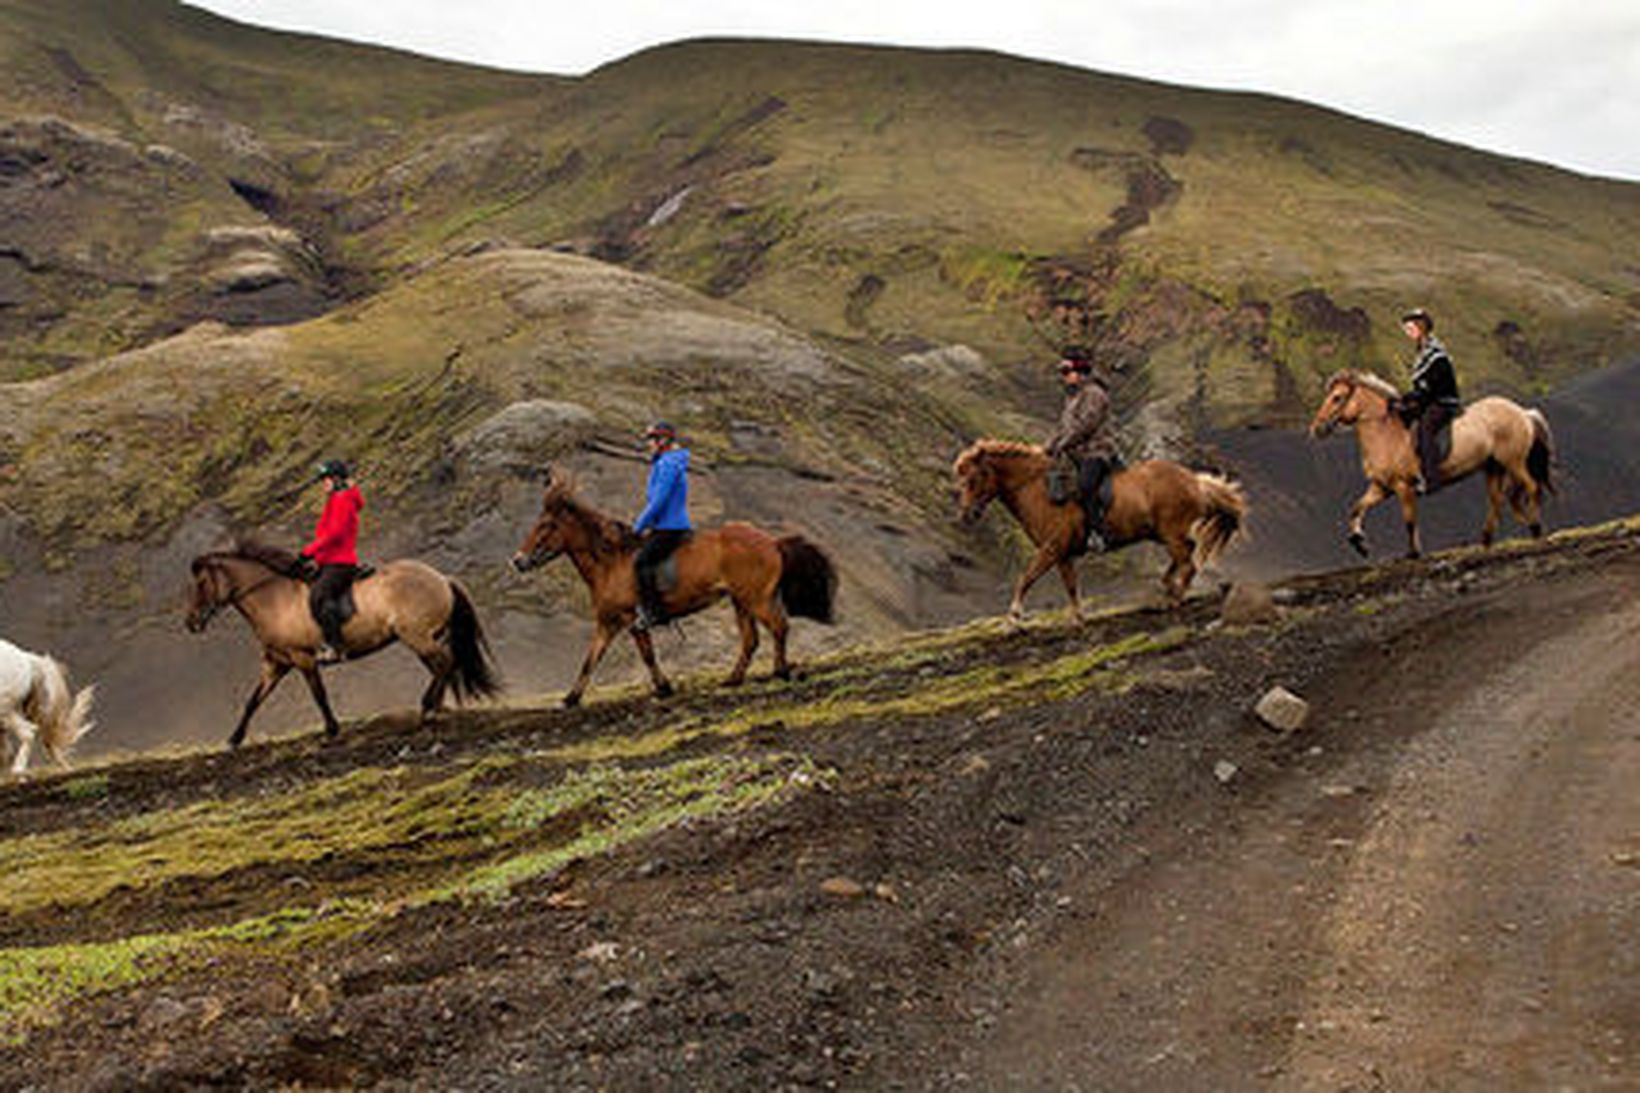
pixel 1195 515
pixel 767 579
pixel 1511 444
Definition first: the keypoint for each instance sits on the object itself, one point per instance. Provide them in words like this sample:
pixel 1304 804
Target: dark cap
pixel 1419 315
pixel 332 468
pixel 661 428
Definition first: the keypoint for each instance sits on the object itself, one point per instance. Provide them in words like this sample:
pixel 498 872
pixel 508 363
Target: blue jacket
pixel 668 505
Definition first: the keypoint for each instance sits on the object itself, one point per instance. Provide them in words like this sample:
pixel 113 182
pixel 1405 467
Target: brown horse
pixel 403 600
pixel 1193 514
pixel 1511 444
pixel 765 577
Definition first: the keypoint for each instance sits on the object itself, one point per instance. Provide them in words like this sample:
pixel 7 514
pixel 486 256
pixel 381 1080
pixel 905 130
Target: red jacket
pixel 336 539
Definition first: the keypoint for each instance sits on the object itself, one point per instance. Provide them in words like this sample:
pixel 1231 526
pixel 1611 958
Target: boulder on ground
pixel 1249 603
pixel 1282 710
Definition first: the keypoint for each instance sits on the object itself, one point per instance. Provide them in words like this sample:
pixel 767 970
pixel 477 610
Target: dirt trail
pixel 1453 907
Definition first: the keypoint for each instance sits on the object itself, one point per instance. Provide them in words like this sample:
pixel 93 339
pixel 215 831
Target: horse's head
pixel 211 592
pixel 548 536
pixel 977 483
pixel 1337 405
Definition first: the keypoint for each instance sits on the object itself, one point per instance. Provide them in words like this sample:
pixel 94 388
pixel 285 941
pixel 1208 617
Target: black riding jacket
pixel 1434 381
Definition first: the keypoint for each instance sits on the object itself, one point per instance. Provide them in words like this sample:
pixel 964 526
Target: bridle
pixel 235 595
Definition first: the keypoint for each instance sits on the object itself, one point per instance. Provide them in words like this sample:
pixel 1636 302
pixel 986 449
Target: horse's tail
pixel 475 673
pixel 63 716
pixel 1541 458
pixel 1224 519
pixel 808 580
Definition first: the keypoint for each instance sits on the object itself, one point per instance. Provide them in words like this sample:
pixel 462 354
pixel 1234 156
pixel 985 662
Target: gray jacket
pixel 1084 425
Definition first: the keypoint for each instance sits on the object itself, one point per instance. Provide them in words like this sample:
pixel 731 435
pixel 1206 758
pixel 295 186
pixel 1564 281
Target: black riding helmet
pixel 333 468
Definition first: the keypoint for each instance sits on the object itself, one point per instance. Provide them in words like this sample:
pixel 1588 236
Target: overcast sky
pixel 1550 80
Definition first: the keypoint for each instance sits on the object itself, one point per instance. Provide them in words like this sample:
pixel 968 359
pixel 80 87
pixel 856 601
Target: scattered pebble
pixel 844 887
pixel 1224 770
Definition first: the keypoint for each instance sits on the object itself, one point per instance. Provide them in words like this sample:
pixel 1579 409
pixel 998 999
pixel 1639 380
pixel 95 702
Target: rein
pixel 236 595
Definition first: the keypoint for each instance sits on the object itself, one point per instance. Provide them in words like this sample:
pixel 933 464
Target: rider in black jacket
pixel 1433 401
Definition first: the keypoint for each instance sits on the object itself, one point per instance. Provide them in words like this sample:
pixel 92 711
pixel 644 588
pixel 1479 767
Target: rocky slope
pixel 226 251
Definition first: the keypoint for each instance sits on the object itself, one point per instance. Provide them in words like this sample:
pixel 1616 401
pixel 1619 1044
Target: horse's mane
pixel 1370 380
pixel 990 448
pixel 278 559
pixel 609 535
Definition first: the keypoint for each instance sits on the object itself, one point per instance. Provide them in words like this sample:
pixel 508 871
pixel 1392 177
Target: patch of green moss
pixel 35 984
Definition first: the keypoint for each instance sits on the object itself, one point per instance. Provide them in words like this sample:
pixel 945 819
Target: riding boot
pixel 330 650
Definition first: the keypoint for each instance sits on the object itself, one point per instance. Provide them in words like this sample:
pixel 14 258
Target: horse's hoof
pixel 1359 542
pixel 1536 530
pixel 571 701
pixel 664 690
pixel 1413 555
pixel 733 681
pixel 783 674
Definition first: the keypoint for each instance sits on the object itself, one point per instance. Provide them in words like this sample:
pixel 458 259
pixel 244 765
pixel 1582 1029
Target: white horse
pixel 35 701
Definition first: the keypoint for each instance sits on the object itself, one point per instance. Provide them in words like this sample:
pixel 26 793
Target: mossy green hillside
pixel 490 831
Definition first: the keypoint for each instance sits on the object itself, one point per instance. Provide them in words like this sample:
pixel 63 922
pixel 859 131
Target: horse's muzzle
pixel 524 561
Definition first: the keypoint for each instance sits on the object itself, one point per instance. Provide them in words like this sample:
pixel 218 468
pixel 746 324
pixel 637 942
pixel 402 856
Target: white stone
pixel 1282 710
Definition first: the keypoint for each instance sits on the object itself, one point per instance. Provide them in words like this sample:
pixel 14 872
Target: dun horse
pixel 1511 444
pixel 765 577
pixel 1193 514
pixel 403 600
pixel 37 704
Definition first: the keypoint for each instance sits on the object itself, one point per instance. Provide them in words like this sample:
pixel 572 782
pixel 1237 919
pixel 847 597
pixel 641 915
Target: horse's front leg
pixel 601 637
pixel 1409 516
pixel 1046 558
pixel 272 673
pixel 645 641
pixel 1358 514
pixel 1067 573
pixel 316 687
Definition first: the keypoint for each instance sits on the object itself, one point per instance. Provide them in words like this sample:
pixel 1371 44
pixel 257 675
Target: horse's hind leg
pixel 1526 499
pixel 24 730
pixel 645 641
pixel 747 624
pixel 1495 491
pixel 1176 581
pixel 316 687
pixel 272 673
pixel 773 616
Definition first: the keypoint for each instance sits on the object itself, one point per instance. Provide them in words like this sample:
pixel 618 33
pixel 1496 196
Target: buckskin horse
pixel 767 578
pixel 36 703
pixel 403 600
pixel 1193 514
pixel 1513 445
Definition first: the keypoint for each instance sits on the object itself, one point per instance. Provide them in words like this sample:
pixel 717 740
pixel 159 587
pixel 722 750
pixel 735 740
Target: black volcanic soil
pixel 1432 885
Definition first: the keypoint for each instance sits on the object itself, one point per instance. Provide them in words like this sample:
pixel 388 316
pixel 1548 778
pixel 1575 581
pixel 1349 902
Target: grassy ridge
pixel 468 829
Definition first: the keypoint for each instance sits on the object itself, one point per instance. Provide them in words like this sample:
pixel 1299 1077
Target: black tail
pixel 808 582
pixel 475 675
pixel 1540 459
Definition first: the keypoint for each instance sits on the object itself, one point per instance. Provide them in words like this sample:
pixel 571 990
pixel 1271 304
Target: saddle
pixel 337 601
pixel 1065 478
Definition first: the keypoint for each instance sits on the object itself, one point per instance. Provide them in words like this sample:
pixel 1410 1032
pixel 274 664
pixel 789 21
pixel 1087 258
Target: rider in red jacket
pixel 334 550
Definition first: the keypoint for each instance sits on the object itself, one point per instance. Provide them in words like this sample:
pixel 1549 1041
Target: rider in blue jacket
pixel 664 521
